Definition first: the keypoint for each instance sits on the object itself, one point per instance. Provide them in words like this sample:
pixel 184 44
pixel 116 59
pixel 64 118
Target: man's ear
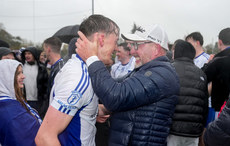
pixel 220 42
pixel 198 43
pixel 101 39
pixel 158 48
pixel 221 45
pixel 49 49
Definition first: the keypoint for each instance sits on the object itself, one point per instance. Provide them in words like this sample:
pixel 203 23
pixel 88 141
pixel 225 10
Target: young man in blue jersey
pixel 71 117
pixel 196 39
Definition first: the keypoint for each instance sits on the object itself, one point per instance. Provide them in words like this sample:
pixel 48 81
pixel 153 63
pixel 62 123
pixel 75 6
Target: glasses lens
pixel 134 45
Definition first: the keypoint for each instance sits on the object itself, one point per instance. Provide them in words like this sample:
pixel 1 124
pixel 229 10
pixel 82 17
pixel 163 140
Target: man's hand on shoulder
pixel 86 48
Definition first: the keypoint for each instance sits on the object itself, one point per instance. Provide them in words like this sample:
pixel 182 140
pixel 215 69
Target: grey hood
pixel 7 72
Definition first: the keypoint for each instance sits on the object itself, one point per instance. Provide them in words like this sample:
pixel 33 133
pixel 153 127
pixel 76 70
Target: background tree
pixel 212 49
pixel 15 42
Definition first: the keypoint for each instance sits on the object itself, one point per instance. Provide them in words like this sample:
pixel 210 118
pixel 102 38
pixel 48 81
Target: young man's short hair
pixel 196 36
pixel 98 23
pixel 224 36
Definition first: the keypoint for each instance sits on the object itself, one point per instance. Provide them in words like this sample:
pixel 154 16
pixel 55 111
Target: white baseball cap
pixel 154 33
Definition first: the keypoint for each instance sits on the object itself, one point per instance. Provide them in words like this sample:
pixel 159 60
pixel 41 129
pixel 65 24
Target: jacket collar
pixel 155 62
pixel 225 52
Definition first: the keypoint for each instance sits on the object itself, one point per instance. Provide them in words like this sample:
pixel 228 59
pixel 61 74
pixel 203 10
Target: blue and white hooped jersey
pixel 72 94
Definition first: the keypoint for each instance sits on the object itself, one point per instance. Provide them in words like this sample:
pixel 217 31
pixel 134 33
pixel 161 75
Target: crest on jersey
pixel 74 98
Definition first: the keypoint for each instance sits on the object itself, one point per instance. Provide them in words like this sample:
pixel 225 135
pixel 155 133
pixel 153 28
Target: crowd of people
pixel 152 93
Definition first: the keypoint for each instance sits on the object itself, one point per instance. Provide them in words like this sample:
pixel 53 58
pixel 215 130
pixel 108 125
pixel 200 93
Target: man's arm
pixel 54 123
pixel 138 90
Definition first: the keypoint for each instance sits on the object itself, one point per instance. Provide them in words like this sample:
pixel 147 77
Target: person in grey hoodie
pixel 19 122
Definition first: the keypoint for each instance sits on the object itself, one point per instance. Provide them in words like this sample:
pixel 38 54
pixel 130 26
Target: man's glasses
pixel 136 44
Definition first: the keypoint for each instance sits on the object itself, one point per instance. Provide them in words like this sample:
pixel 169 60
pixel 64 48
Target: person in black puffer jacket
pixel 192 108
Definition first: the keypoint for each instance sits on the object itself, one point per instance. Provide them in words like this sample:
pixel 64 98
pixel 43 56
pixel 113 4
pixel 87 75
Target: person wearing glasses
pixel 143 103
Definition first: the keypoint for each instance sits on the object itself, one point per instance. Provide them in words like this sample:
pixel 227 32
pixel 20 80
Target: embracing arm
pixel 143 87
pixel 140 89
pixel 54 123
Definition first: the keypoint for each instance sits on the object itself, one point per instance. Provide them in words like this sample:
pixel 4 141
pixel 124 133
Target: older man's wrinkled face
pixel 133 52
pixel 143 51
pixel 105 52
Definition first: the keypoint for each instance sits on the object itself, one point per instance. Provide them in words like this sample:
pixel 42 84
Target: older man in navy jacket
pixel 143 104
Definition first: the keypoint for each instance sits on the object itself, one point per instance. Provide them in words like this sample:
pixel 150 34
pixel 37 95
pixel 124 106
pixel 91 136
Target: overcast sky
pixel 37 20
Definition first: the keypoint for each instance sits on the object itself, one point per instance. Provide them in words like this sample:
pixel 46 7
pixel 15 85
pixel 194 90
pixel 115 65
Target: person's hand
pixel 211 57
pixel 86 48
pixel 102 119
pixel 102 111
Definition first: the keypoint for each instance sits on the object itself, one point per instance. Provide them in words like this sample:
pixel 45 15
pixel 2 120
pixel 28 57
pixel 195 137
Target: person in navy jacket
pixel 143 103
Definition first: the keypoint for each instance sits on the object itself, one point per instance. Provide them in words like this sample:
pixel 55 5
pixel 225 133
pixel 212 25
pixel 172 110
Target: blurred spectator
pixel 125 64
pixel 6 53
pixel 218 132
pixel 169 52
pixel 18 54
pixel 42 57
pixel 196 39
pixel 218 71
pixel 192 108
pixel 52 49
pixel 36 80
pixel 71 49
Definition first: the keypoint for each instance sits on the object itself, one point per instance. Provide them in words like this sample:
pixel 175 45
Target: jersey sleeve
pixel 69 89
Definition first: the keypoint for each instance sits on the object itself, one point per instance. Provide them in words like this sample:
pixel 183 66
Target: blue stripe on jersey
pixel 206 56
pixel 53 94
pixel 86 82
pixel 74 128
pixel 84 78
pixel 199 55
pixel 68 112
pixel 203 54
pixel 83 74
pixel 78 132
pixel 60 108
pixel 86 85
pixel 64 110
pixel 5 97
pixel 81 87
